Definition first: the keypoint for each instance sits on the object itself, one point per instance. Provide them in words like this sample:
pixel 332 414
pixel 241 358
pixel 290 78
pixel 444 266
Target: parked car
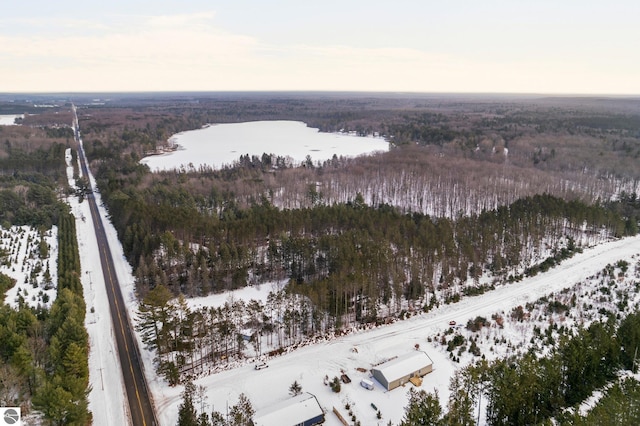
pixel 452 323
pixel 261 365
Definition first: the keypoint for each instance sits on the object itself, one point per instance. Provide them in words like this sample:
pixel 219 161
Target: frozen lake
pixel 223 144
pixel 9 120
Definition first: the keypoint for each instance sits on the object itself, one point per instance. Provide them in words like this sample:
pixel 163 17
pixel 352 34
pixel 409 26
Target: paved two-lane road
pixel 141 408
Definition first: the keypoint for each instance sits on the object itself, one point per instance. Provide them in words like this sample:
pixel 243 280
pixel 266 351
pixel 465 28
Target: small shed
pixel 301 410
pixel 400 370
pixel 367 384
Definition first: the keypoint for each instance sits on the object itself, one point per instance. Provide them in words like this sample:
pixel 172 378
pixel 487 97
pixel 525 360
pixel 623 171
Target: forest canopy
pixel 476 186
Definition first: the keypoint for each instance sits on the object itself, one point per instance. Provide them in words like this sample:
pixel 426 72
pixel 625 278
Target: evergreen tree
pixel 187 415
pixel 629 337
pixel 154 316
pixel 461 400
pixel 335 385
pixel 423 409
pixel 54 402
pixel 295 389
pixel 217 419
pixel 619 406
pixel 203 419
pixel 242 413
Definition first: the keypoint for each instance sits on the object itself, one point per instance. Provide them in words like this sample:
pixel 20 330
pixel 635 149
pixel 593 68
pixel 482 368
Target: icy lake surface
pixel 223 144
pixel 9 120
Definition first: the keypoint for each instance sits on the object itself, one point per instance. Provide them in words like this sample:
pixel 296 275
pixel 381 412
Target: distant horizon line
pixel 334 92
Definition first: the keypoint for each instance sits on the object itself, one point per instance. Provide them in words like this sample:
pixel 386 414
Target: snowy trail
pixel 309 365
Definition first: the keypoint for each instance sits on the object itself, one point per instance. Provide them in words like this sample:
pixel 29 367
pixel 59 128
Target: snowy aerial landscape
pixel 366 348
pixel 359 349
pixel 571 270
pixel 346 213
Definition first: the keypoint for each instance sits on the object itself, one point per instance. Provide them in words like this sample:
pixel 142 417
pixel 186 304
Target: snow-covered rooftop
pixel 404 364
pixel 294 411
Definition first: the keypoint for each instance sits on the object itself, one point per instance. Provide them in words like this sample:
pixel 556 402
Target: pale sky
pixel 512 46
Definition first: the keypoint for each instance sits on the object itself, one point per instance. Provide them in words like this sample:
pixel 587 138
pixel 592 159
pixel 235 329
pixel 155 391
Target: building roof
pixel 403 365
pixel 293 411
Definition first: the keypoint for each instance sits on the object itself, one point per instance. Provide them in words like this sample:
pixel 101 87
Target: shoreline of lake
pixel 219 145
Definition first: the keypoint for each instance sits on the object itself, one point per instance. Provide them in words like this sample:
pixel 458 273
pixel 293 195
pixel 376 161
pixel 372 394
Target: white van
pixel 367 384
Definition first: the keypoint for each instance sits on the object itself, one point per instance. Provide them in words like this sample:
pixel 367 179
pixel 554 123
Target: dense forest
pixel 44 351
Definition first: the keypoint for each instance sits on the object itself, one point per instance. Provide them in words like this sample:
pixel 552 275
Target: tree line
pixel 190 342
pixel 62 395
pixel 44 352
pixel 195 245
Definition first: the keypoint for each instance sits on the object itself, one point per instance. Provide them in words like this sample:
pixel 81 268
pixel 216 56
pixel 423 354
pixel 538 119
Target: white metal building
pixel 301 410
pixel 398 371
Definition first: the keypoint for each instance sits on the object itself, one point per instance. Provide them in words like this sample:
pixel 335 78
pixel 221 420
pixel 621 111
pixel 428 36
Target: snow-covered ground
pixel 258 292
pixel 223 144
pixel 9 120
pixel 310 364
pixel 34 270
pixel 107 400
pixel 361 350
pixel 353 354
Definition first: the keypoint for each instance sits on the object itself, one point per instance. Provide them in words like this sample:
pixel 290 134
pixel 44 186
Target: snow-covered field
pixel 35 271
pixel 258 292
pixel 221 144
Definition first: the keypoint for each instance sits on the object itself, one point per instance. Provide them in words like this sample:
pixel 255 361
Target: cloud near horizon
pixel 191 52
